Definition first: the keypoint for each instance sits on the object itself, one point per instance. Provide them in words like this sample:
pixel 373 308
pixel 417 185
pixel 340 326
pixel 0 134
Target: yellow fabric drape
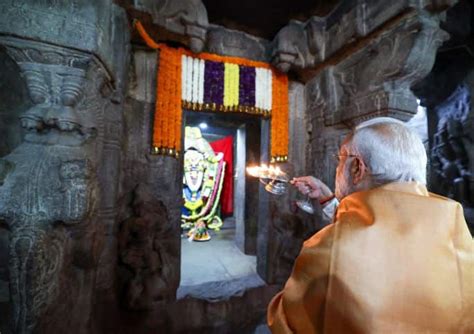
pixel 396 260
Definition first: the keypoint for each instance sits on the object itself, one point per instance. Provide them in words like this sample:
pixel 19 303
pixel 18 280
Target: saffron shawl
pixel 396 260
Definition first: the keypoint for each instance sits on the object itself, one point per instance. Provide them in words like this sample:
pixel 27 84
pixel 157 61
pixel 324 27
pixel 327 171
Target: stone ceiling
pixel 264 18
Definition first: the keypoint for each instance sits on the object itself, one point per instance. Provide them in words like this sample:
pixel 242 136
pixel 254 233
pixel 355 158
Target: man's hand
pixel 313 187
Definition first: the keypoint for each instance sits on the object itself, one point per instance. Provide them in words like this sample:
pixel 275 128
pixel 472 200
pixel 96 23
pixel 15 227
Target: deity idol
pixel 203 180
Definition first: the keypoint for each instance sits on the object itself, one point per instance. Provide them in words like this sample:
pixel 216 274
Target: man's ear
pixel 358 170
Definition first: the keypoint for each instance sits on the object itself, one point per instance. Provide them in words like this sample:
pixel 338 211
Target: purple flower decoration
pixel 247 86
pixel 214 82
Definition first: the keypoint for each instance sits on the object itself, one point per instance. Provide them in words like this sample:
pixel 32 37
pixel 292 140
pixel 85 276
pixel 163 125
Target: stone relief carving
pixel 36 258
pixel 75 176
pixel 148 253
pixel 305 45
pixel 56 80
pixel 72 56
pixel 291 48
pixel 53 111
pixel 38 201
pixel 184 17
pixel 236 43
pixel 87 25
pixel 438 5
pixel 377 79
pixel 452 153
pixel 48 182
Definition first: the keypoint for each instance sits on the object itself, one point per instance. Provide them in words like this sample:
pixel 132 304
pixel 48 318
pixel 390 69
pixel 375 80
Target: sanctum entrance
pixel 218 226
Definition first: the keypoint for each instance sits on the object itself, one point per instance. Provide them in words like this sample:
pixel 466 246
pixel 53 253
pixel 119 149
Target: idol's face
pixel 194 167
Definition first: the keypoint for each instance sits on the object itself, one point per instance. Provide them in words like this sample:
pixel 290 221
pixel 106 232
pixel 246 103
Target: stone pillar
pixel 150 201
pixel 373 81
pixel 357 63
pixel 58 187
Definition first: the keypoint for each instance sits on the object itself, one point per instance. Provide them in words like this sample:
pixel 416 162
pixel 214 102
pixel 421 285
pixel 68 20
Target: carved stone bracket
pixel 377 79
pixel 323 41
pixel 292 48
pixel 87 25
pixel 183 17
pixel 56 78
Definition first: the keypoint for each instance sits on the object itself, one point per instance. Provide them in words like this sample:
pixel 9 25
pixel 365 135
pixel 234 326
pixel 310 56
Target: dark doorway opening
pixel 228 259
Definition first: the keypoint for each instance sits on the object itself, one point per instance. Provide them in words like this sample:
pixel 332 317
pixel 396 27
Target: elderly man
pixel 396 259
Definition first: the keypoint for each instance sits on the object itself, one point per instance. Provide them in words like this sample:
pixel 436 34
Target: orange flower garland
pixel 279 126
pixel 168 120
pixel 168 110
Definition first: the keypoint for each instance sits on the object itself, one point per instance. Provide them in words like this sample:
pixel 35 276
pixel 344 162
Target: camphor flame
pixel 254 171
pixel 266 172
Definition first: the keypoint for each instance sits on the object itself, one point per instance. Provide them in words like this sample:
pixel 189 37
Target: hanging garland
pixel 279 147
pixel 217 83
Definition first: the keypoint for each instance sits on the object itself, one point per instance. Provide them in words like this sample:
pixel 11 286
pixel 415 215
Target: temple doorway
pixel 219 228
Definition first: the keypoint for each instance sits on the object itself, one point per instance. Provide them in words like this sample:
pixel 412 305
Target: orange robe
pixel 396 260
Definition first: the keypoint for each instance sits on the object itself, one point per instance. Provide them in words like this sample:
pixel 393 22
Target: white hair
pixel 391 151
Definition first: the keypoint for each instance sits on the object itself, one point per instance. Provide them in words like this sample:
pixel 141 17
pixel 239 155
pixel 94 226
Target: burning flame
pixel 264 171
pixel 254 171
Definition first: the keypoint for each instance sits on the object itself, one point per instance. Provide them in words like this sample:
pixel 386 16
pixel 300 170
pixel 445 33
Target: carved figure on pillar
pixel 48 187
pixel 146 251
pixel 452 152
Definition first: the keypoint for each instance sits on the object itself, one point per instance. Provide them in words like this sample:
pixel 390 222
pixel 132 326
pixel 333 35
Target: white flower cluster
pixel 192 79
pixel 263 88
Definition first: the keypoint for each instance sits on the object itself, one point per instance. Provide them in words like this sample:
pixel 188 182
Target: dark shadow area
pixel 5 299
pixel 448 93
pixel 15 99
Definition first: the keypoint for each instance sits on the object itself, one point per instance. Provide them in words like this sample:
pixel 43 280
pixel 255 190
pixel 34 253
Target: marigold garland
pixel 168 120
pixel 279 126
pixel 242 86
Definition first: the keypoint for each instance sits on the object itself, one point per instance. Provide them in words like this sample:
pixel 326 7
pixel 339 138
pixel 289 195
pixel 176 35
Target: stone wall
pixel 447 94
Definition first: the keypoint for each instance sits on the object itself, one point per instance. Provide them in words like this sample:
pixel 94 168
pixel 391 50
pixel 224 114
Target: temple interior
pixel 223 257
pixel 128 127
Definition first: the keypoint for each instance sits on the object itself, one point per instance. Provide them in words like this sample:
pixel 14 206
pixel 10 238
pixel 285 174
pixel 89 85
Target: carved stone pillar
pixel 357 63
pixel 372 81
pixel 447 93
pixel 156 183
pixel 58 188
pixel 50 188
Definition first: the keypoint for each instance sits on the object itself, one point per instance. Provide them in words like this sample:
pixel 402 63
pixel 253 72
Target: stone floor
pixel 217 268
